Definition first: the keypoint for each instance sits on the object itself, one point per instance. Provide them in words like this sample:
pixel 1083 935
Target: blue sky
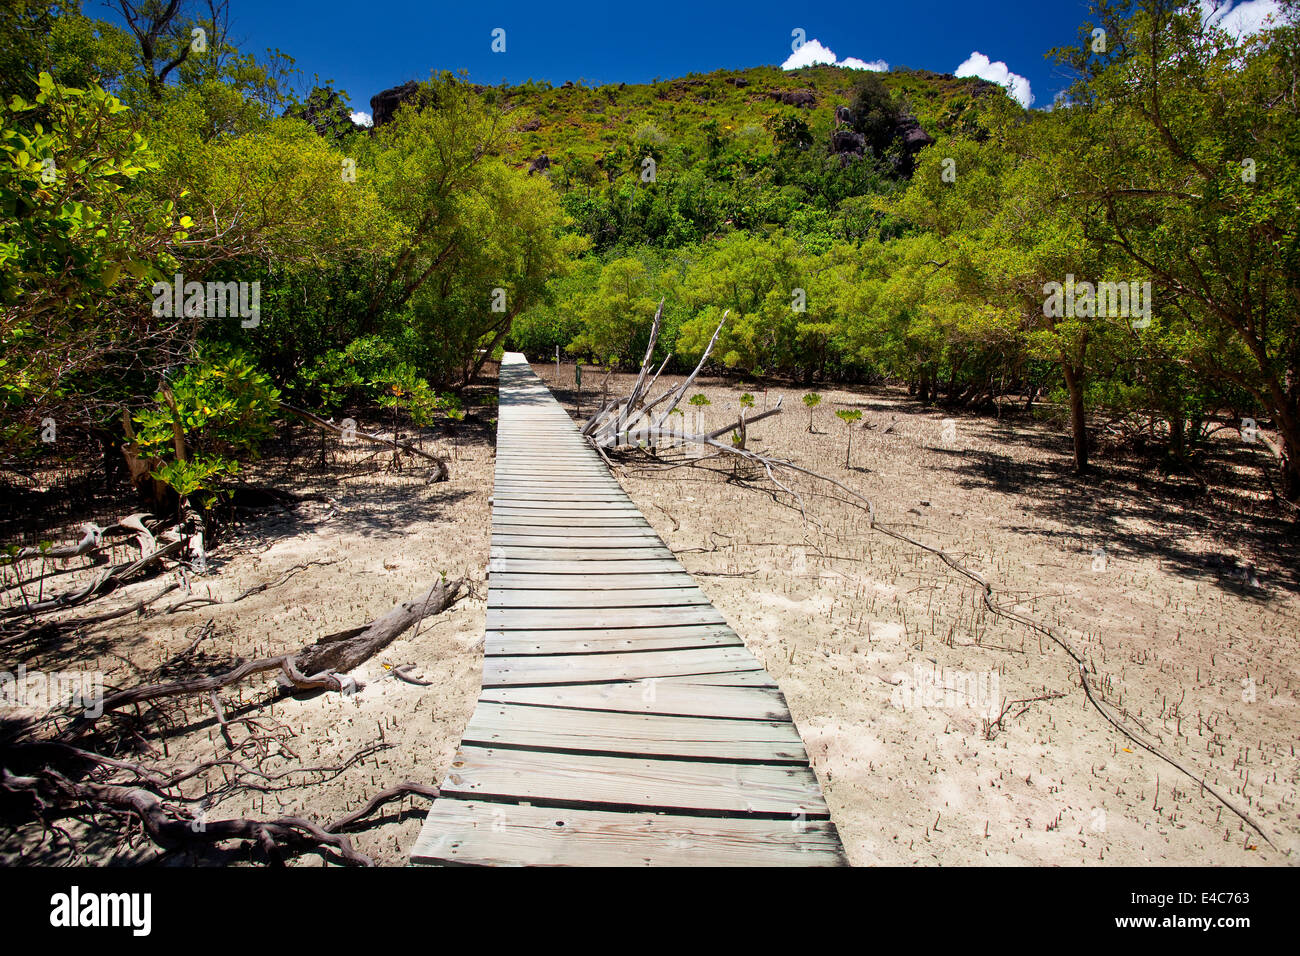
pixel 365 47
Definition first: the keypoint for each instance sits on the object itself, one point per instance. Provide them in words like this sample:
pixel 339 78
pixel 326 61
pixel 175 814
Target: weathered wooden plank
pixel 584 780
pixel 607 640
pixel 659 697
pixel 626 520
pixel 755 678
pixel 660 735
pixel 594 555
pixel 606 542
pixel 594 510
pixel 541 619
pixel 544 669
pixel 476 833
pixel 505 581
pixel 534 564
pixel 549 500
pixel 613 533
pixel 595 597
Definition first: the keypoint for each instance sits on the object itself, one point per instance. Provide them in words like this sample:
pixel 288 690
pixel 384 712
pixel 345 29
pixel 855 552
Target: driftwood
pixel 92 540
pixel 627 420
pixel 71 773
pixel 440 463
pixel 320 666
pixel 103 583
pixel 172 826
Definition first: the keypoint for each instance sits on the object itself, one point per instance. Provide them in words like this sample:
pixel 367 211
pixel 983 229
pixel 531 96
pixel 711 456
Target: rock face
pixel 385 103
pixel 846 141
pixel 843 116
pixel 802 98
pixel 847 146
pixel 911 133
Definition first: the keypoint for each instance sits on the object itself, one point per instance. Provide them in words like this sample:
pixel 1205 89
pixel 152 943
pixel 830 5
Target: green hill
pixel 679 161
pixel 592 123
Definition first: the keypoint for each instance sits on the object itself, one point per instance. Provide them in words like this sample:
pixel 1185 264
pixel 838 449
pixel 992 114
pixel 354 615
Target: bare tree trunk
pixel 1078 415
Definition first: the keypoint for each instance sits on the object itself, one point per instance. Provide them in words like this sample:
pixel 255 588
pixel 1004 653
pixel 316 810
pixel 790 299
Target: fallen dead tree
pixel 630 421
pixel 85 770
pixel 21 620
pixel 320 666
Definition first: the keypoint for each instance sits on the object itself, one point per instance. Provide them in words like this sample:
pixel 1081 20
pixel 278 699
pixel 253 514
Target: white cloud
pixel 1243 19
pixel 875 66
pixel 363 119
pixel 812 52
pixel 977 64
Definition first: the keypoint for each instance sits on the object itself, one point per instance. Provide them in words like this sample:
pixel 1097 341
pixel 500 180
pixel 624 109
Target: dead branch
pixel 320 666
pixel 106 581
pixel 401 790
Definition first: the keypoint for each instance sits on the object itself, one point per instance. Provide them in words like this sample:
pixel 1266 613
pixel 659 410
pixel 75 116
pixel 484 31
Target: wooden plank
pixel 755 678
pixel 627 520
pixel 560 497
pixel 594 510
pixel 628 782
pixel 546 669
pixel 594 598
pixel 580 731
pixel 669 697
pixel 534 564
pixel 609 640
pixel 580 582
pixel 606 543
pixel 476 833
pixel 535 619
pixel 594 555
pixel 614 534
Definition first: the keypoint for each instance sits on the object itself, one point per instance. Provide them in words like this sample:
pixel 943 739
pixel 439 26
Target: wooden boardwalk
pixel 621 721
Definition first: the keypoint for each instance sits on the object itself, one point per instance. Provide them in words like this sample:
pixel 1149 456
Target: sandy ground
pixel 386 537
pixel 859 629
pixel 856 628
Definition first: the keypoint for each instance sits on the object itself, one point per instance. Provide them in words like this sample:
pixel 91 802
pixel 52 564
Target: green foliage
pixel 218 408
pixel 848 416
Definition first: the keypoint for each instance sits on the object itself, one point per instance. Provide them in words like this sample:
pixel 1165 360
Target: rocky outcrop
pixel 805 99
pixel 913 137
pixel 539 165
pixel 847 145
pixel 846 141
pixel 385 103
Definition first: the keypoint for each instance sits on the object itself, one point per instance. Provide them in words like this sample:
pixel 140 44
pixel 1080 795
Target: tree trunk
pixel 1078 416
pixel 1178 435
pixel 1291 463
